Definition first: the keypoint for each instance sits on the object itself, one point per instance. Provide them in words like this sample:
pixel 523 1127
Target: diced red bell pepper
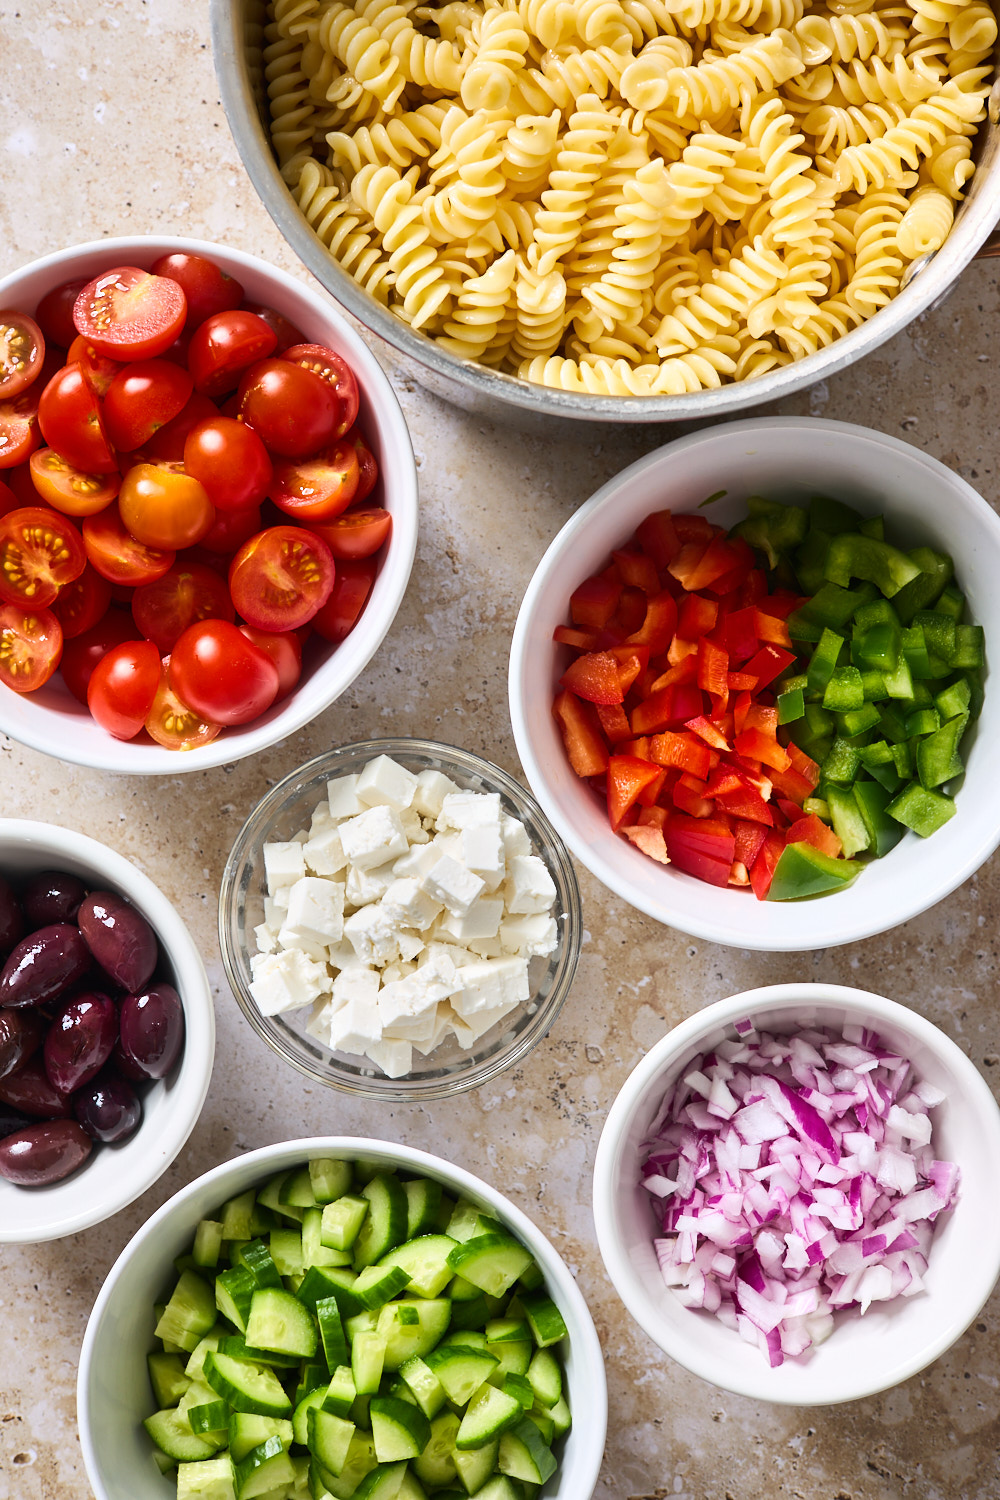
pixel 741 634
pixel 631 661
pixel 759 746
pixel 792 784
pixel 688 797
pixel 812 830
pixel 749 840
pixel 761 716
pixel 741 708
pixel 701 847
pixel 724 779
pixel 631 611
pixel 734 578
pixel 772 630
pixel 782 602
pixel 713 671
pixel 680 649
pixel 657 535
pixel 594 602
pixel 581 732
pixel 768 664
pixel 742 682
pixel 638 571
pixel 746 803
pixel 694 570
pixel 709 731
pixel 754 589
pixel 649 840
pixel 762 870
pixel 627 776
pixel 594 676
pixel 650 795
pixel 790 811
pixel 638 747
pixel 696 617
pixel 685 751
pixel 659 624
pixel 685 670
pixel 689 701
pixel 614 722
pixel 654 817
pixel 692 527
pixel 583 640
pixel 654 713
pixel 804 764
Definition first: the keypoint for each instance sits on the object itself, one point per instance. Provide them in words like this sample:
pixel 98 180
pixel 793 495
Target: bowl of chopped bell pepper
pixel 748 683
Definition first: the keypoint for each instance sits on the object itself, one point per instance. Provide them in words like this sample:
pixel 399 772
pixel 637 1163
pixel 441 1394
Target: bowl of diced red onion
pixel 795 1193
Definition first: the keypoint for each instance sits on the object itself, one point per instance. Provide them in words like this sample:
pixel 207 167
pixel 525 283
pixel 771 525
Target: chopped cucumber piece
pixel 436 1464
pixel 385 1225
pixel 236 1217
pixel 341 1392
pixel 475 1465
pixel 523 1455
pixel 207 1243
pixel 167 1377
pixel 426 1262
pixel 399 1430
pixel 252 1388
pixel 412 1328
pixel 279 1322
pixel 341 1221
pixel 329 1178
pixel 545 1319
pixel 493 1262
pixel 212 1479
pixel 247 1430
pixel 423 1205
pixel 189 1314
pixel 367 1361
pixel 329 1439
pixel 265 1468
pixel 428 1392
pixel 460 1370
pixel 171 1432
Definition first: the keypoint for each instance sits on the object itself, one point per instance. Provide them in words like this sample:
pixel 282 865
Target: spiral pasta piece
pixel 926 223
pixel 292 108
pixel 346 34
pixel 577 170
pixel 479 310
pixel 502 44
pixel 707 89
pixel 387 199
pixel 349 235
pixel 617 296
pixel 928 125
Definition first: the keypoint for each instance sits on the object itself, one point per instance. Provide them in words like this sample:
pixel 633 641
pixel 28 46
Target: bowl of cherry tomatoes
pixel 208 505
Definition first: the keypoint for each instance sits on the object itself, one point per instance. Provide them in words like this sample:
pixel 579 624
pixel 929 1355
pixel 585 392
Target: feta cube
pixel 480 921
pixel 266 938
pixel 280 901
pixel 364 886
pixel 394 1058
pixel 483 852
pixel 318 1024
pixel 316 910
pixel 409 905
pixel 356 984
pixel 431 790
pixel 490 983
pixel 469 809
pixel 529 936
pixel 515 836
pixel 385 783
pixel 452 884
pixel 529 887
pixel 417 860
pixel 481 1021
pixel 342 798
pixel 373 935
pixel 373 837
pixel 399 970
pixel 410 944
pixel 441 954
pixel 285 981
pixel 486 947
pixel 324 853
pixel 284 864
pixel 343 956
pixel 413 826
pixel 407 1009
pixel 312 947
pixel 355 1026
pixel 441 1029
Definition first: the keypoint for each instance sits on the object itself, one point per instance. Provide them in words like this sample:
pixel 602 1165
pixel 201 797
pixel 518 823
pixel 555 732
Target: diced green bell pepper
pixel 873 526
pixel 921 809
pixel 803 871
pixel 817 805
pixel 954 699
pixel 871 800
pixel 854 556
pixel 939 632
pixel 772 528
pixel 848 824
pixel 879 647
pixel 874 688
pixel 841 765
pixel 833 606
pixel 791 706
pixel 824 660
pixel 923 592
pixel 922 721
pixel 832 515
pixel 844 690
pixel 938 759
pixel 969 648
pixel 951 602
pixel 887 776
pixel 902 757
pixel 856 721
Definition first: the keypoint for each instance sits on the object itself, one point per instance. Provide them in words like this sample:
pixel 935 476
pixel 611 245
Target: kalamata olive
pixel 125 1066
pixel 30 1091
pixel 43 965
pixel 44 1153
pixel 21 1033
pixel 11 918
pixel 152 1030
pixel 11 1120
pixel 51 896
pixel 79 1041
pixel 107 1107
pixel 120 939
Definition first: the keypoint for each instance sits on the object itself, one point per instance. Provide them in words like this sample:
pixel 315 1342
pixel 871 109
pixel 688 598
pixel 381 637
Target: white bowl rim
pixel 391 583
pixel 710 929
pixel 199 1015
pixel 591 1437
pixel 971 1296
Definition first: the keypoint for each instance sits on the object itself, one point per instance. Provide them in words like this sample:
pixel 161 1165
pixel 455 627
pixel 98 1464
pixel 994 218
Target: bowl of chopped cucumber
pixel 341 1319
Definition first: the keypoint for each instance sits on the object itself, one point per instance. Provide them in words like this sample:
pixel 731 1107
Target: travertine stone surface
pixel 110 123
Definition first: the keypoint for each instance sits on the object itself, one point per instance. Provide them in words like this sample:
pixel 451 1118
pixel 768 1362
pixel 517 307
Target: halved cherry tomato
pixel 81 655
pixel 230 529
pixel 168 443
pixel 221 674
pixel 357 533
pixel 98 369
pixel 224 346
pixel 19 434
pixel 318 488
pixel 335 372
pixel 68 489
pixel 129 314
pixel 281 577
pixel 69 416
pixel 348 598
pixel 207 288
pixel 173 724
pixel 285 650
pixel 163 507
pixel 116 554
pixel 122 688
pixel 230 461
pixel 142 398
pixel 189 592
pixel 79 605
pixel 367 467
pixel 22 350
pixel 291 409
pixel 39 552
pixel 54 314
pixel 286 333
pixel 30 647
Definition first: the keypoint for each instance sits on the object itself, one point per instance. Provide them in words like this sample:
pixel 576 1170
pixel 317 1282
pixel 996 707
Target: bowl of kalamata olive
pixel 107 1032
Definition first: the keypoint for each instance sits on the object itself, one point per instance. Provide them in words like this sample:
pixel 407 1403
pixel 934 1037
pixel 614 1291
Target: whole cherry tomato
pixel 221 674
pixel 291 409
pixel 230 460
pixel 207 288
pixel 224 346
pixel 189 592
pixel 79 605
pixel 167 445
pixel 142 398
pixel 335 372
pixel 163 507
pixel 122 688
pixel 81 655
pixel 54 314
pixel 230 529
pixel 286 333
pixel 285 650
pixel 69 416
pixel 348 598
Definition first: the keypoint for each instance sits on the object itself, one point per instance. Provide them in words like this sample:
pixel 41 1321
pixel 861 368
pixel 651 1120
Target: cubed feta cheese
pixel 356 984
pixel 431 790
pixel 529 936
pixel 373 837
pixel 280 901
pixel 469 809
pixel 342 798
pixel 441 1029
pixel 486 947
pixel 284 864
pixel 483 853
pixel 394 1058
pixel 316 910
pixel 399 970
pixel 266 938
pixel 410 944
pixel 355 1026
pixel 417 860
pixel 413 826
pixel 490 983
pixel 373 935
pixel 342 956
pixel 324 853
pixel 274 915
pixel 480 921
pixel 313 948
pixel 285 981
pixel 407 1008
pixel 515 836
pixel 385 783
pixel 364 886
pixel 409 905
pixel 318 1024
pixel 452 884
pixel 480 1022
pixel 529 887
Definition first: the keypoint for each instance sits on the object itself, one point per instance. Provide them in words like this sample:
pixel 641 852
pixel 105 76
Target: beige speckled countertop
pixel 109 124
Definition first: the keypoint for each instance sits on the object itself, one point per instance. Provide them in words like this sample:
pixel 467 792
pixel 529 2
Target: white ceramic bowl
pixel 862 1355
pixel 51 719
pixel 785 458
pixel 115 1175
pixel 113 1394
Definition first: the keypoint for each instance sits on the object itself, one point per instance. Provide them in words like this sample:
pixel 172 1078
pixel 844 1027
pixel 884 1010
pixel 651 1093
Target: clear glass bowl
pixel 450 1068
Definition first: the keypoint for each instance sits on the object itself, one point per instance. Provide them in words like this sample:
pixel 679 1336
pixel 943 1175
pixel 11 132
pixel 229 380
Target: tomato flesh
pixel 224 346
pixel 230 461
pixel 129 314
pixel 163 507
pixel 367 467
pixel 39 552
pixel 291 409
pixel 188 593
pixel 122 688
pixel 348 598
pixel 173 724
pixel 19 434
pixel 79 605
pixel 318 488
pixel 81 655
pixel 30 647
pixel 98 369
pixel 334 372
pixel 117 555
pixel 22 350
pixel 207 288
pixel 69 416
pixel 357 533
pixel 142 398
pixel 281 577
pixel 68 489
pixel 221 674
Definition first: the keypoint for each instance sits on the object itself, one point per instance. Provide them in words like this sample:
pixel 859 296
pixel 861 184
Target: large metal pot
pixel 237 39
